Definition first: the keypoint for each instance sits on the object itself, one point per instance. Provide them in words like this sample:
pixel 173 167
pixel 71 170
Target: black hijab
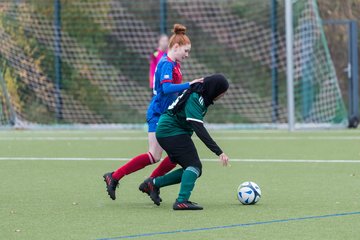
pixel 212 87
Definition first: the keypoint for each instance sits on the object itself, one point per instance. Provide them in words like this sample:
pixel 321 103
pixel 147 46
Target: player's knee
pixel 195 169
pixel 199 166
pixel 155 157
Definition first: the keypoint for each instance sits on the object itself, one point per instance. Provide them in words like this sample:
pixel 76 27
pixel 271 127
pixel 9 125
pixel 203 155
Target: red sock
pixel 134 165
pixel 165 166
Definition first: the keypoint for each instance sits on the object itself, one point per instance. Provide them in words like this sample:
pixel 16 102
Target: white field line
pixel 205 159
pixel 245 138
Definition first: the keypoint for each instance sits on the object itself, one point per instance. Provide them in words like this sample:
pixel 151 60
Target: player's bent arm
pixel 204 136
pixel 173 88
pixel 169 87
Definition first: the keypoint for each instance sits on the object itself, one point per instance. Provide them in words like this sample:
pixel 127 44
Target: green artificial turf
pixel 66 199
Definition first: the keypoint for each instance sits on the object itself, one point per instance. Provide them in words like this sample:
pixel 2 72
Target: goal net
pixel 103 49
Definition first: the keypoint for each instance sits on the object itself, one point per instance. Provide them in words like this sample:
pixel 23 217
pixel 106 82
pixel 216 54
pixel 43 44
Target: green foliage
pixel 219 114
pixel 245 8
pixel 73 83
pixel 88 29
pixel 251 75
pixel 22 96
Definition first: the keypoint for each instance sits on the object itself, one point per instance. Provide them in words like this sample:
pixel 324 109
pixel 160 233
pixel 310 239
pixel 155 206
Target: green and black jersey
pixel 187 120
pixel 175 124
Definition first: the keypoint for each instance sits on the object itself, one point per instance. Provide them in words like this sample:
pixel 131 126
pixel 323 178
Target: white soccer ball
pixel 248 193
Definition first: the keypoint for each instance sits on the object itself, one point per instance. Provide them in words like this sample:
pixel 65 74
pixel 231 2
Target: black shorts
pixel 181 149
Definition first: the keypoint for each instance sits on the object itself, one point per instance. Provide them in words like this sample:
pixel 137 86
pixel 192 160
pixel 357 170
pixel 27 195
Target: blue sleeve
pixel 166 74
pixel 173 88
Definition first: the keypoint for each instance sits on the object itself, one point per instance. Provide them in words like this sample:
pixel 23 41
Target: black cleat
pixel 187 205
pixel 149 187
pixel 111 184
pixel 145 189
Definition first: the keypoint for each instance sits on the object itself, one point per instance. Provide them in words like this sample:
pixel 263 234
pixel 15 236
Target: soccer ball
pixel 248 193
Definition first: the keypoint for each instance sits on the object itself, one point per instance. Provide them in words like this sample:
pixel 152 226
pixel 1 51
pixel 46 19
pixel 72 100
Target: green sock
pixel 171 178
pixel 187 183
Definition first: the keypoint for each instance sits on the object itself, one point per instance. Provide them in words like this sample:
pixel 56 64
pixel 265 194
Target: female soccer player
pixel 174 132
pixel 167 86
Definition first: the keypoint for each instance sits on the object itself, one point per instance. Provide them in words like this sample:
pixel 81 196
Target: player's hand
pixel 224 159
pixel 199 80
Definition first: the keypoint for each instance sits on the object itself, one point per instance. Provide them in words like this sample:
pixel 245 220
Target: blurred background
pixel 72 62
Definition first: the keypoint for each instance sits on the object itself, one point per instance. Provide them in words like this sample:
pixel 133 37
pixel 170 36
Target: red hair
pixel 179 36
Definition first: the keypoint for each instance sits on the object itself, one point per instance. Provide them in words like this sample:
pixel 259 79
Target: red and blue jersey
pixel 166 71
pixel 167 86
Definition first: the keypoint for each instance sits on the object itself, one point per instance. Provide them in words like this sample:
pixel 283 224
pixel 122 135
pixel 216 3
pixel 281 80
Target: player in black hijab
pixel 173 133
pixel 212 87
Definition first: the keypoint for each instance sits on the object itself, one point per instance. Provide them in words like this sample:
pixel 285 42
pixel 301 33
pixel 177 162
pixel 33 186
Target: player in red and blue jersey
pixel 167 86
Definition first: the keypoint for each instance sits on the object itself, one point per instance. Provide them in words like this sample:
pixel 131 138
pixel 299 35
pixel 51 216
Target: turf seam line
pixel 233 226
pixel 135 138
pixel 204 159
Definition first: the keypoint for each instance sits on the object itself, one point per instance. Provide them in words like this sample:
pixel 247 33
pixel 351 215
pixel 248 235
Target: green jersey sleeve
pixel 195 108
